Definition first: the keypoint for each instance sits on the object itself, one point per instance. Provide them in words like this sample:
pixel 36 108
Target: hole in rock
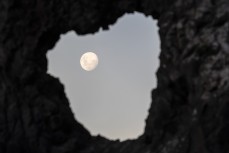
pixel 113 99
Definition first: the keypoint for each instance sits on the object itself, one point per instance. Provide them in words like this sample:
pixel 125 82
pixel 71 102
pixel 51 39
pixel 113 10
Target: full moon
pixel 89 61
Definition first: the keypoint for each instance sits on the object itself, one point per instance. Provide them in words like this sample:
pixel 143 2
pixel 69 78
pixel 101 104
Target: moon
pixel 89 61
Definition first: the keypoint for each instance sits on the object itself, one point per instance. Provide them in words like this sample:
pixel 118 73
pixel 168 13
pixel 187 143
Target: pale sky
pixel 112 100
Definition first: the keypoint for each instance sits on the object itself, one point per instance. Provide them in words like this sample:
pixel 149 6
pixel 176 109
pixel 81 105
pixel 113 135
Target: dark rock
pixel 189 110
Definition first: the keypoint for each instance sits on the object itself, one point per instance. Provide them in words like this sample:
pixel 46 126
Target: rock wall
pixel 189 110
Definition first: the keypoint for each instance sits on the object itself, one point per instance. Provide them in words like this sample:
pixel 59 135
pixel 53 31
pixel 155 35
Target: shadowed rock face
pixel 190 107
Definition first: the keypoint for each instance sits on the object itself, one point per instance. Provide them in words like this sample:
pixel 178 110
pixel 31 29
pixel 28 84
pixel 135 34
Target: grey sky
pixel 112 100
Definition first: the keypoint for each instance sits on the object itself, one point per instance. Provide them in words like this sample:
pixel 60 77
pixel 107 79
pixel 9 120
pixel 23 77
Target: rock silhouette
pixel 190 107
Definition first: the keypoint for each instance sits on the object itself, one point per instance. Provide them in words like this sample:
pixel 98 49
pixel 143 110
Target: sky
pixel 113 99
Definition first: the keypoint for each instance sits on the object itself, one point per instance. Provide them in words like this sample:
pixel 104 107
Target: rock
pixel 189 110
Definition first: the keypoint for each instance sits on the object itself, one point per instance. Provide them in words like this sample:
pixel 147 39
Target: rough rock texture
pixel 190 107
